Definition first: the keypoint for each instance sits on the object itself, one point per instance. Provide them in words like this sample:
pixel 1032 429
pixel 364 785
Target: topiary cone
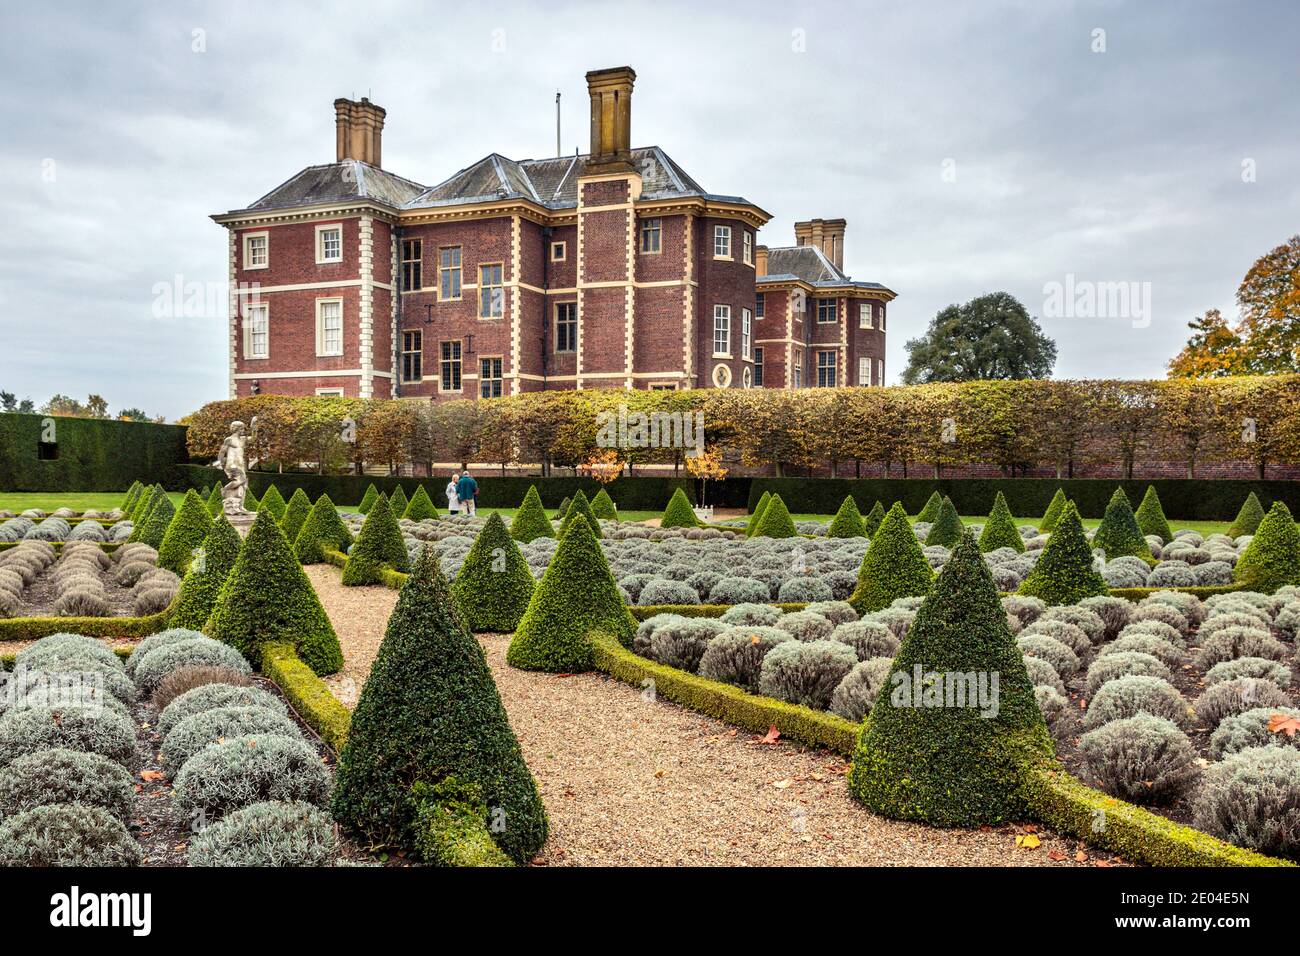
pixel 495 584
pixel 776 521
pixel 216 504
pixel 872 521
pixel 1248 517
pixel 323 530
pixel 186 531
pixel 379 545
pixel 267 598
pixel 947 528
pixel 1000 530
pixel 368 499
pixel 1053 512
pixel 430 712
pixel 398 501
pixel 1119 534
pixel 295 513
pixel 530 521
pixel 1272 559
pixel 893 566
pixel 1064 573
pixel 603 507
pixel 580 506
pixel 757 515
pixel 847 522
pixel 420 506
pixel 930 513
pixel 272 502
pixel 159 520
pixel 202 584
pixel 927 759
pixel 1151 516
pixel 131 494
pixel 679 513
pixel 576 596
pixel 149 499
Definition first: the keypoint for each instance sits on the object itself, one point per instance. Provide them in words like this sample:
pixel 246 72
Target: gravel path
pixel 631 781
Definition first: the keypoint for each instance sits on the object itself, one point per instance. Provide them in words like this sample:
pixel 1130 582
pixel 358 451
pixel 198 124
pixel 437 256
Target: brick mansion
pixel 613 269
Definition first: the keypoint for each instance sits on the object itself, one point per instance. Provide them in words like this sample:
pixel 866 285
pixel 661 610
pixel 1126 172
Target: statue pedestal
pixel 242 522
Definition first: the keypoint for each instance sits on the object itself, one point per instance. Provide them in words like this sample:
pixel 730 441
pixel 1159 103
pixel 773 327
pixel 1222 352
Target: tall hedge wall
pixel 630 494
pixel 93 454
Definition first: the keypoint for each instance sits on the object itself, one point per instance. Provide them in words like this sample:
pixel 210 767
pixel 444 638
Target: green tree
pixel 990 337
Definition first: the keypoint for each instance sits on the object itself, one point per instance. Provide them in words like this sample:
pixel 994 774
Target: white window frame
pixel 250 332
pixel 247 262
pixel 321 258
pixel 864 370
pixel 882 318
pixel 320 327
pixel 866 316
pixel 722 324
pixel 722 242
pixel 746 337
pixel 880 372
pixel 760 305
pixel 334 391
pixel 797 378
pixel 747 247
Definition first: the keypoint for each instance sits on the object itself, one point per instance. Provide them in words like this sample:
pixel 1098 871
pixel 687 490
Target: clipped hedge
pixel 94 454
pixel 306 693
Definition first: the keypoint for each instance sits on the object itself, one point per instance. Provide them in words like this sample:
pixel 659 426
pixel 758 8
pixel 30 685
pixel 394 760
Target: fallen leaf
pixel 659 773
pixel 1028 842
pixel 1283 724
pixel 1056 856
pixel 773 735
pixel 150 775
pixel 1081 857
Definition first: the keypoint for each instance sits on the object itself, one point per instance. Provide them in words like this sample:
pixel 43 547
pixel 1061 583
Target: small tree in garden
pixel 1053 512
pixel 295 513
pixel 605 465
pixel 930 513
pixel 155 526
pixel 756 516
pixel 1151 516
pixel 1119 534
pixel 379 545
pixel 148 500
pixel 563 510
pixel 1065 573
pixel 707 466
pixel 323 530
pixel 420 506
pixel 776 521
pixel 1248 517
pixel 132 493
pixel 920 757
pixel 429 714
pixel 1000 530
pixel 495 584
pixel 186 532
pixel 603 507
pixel 576 596
pixel 893 566
pixel 847 522
pixel 580 506
pixel 530 521
pixel 1272 559
pixel 398 502
pixel 368 499
pixel 267 598
pixel 679 513
pixel 947 528
pixel 215 502
pixel 273 503
pixel 872 521
pixel 202 584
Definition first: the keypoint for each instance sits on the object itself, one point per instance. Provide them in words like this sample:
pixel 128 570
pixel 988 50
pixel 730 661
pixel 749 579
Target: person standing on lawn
pixel 453 499
pixel 466 492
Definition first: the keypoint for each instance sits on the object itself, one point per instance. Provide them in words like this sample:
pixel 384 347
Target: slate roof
pixel 340 182
pixel 808 264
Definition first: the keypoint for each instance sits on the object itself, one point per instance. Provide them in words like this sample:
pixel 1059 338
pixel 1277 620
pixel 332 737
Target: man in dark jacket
pixel 467 492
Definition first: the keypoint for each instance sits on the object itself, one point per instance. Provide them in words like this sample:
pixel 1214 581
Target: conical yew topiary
pixel 1053 512
pixel 295 513
pixel 1064 573
pixel 944 744
pixel 847 522
pixel 580 506
pixel 563 510
pixel 148 500
pixel 323 531
pixel 272 503
pixel 603 507
pixel 159 520
pixel 188 527
pixel 872 521
pixel 216 504
pixel 368 499
pixel 1119 534
pixel 420 506
pixel 1272 559
pixel 267 599
pixel 429 713
pixel 132 493
pixel 495 584
pixel 756 515
pixel 776 521
pixel 1000 530
pixel 576 596
pixel 893 566
pixel 398 502
pixel 1151 516
pixel 250 500
pixel 1248 518
pixel 947 528
pixel 930 513
pixel 530 520
pixel 208 571
pixel 679 513
pixel 379 545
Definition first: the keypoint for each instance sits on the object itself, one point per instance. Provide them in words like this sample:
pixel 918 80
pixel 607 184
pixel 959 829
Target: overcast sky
pixel 972 147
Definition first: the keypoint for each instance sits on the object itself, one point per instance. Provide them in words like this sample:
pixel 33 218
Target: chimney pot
pixel 826 234
pixel 611 117
pixel 359 129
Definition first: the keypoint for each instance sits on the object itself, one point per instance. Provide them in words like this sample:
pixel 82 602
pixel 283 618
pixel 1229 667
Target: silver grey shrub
pixel 1252 799
pixel 806 672
pixel 735 655
pixel 856 694
pixel 248 770
pixel 272 833
pixel 1136 694
pixel 1143 758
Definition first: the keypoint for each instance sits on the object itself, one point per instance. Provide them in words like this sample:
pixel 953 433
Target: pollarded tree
pixel 990 337
pixel 273 503
pixel 495 583
pixel 323 530
pixel 1151 516
pixel 379 545
pixel 530 521
pixel 267 599
pixel 430 713
pixel 576 596
pixel 1119 534
pixel 893 566
pixel 678 514
pixel 187 529
pixel 580 506
pixel 1272 559
pixel 1065 572
pixel 847 522
pixel 295 513
pixel 420 506
pixel 776 522
pixel 1248 517
pixel 1000 530
pixel 947 528
pixel 922 758
pixel 202 584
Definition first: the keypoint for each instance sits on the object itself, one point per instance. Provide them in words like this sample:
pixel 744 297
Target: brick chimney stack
pixel 826 234
pixel 611 118
pixel 359 130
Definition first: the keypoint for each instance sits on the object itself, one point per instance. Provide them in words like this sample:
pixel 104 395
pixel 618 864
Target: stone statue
pixel 232 459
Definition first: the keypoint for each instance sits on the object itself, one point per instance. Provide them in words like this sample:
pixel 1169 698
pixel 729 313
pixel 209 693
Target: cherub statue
pixel 232 459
